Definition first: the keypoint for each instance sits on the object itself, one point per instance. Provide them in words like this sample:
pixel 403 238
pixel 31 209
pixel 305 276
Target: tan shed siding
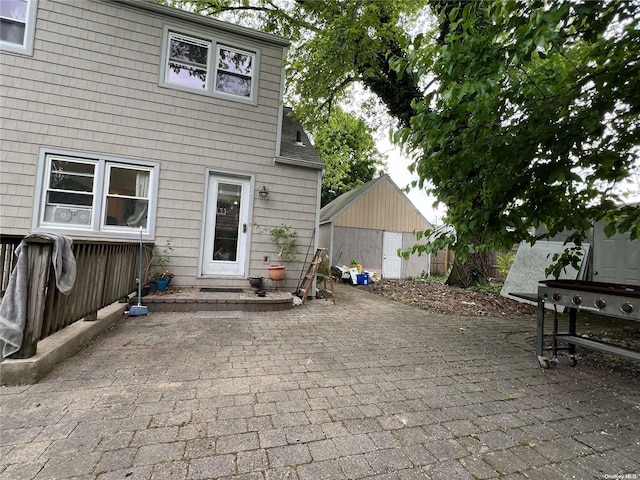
pixel 382 208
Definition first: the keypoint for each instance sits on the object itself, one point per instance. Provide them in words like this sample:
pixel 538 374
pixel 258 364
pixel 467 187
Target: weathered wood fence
pixel 443 261
pixel 106 273
pixel 8 245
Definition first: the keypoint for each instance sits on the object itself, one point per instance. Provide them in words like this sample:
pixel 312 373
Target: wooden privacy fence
pixel 443 261
pixel 106 272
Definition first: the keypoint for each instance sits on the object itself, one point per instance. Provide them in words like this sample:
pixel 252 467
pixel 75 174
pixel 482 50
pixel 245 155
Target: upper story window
pixel 89 194
pixel 17 25
pixel 210 67
pixel 234 72
pixel 188 58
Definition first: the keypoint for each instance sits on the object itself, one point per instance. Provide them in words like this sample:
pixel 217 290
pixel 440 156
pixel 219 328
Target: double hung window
pixel 93 194
pixel 234 71
pixel 17 25
pixel 188 59
pixel 210 67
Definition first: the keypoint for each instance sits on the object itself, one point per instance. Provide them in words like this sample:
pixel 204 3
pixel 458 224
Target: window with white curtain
pixel 17 25
pixel 128 196
pixel 95 194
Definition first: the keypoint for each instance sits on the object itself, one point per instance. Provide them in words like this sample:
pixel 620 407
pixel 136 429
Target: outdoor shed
pixel 369 224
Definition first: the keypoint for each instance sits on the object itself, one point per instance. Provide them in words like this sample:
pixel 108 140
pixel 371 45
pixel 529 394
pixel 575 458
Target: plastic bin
pixel 363 279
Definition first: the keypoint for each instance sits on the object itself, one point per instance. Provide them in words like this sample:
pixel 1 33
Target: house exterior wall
pixel 384 207
pixel 92 85
pixel 324 237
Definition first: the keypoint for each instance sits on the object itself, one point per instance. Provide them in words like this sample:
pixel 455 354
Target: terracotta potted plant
pixel 285 239
pixel 276 272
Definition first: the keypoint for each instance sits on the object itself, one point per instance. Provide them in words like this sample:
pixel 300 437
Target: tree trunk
pixel 475 270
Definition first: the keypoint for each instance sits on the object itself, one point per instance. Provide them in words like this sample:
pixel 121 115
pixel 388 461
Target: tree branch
pixel 212 9
pixel 532 82
pixel 328 103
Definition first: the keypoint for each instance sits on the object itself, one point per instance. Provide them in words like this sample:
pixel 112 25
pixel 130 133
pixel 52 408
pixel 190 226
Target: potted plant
pixel 285 239
pixel 256 282
pixel 162 256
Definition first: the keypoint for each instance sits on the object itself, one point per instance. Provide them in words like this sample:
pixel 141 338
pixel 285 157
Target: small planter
pixel 255 282
pixel 161 284
pixel 276 272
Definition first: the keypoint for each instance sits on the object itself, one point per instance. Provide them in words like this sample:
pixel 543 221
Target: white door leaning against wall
pixel 225 232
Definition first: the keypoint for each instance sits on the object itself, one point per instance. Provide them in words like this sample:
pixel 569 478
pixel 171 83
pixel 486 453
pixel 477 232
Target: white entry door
pixel 225 235
pixel 391 262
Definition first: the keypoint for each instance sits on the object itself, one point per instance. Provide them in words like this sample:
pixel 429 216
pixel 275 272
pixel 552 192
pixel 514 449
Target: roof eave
pixel 298 162
pixel 206 21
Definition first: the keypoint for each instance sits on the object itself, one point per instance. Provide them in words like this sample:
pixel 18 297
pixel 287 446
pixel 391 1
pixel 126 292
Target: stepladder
pixel 318 268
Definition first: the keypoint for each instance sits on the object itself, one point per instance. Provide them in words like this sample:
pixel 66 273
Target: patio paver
pixel 368 388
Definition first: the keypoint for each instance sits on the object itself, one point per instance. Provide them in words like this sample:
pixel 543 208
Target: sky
pixel 397 168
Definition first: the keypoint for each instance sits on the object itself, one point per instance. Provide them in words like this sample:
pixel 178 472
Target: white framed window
pixel 17 25
pixel 188 60
pixel 209 66
pixel 94 195
pixel 234 71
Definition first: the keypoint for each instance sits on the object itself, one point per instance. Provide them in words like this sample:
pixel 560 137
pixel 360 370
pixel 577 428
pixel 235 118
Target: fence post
pixel 39 255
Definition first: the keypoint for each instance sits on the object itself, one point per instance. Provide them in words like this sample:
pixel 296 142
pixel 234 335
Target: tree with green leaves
pixel 520 113
pixel 348 149
pixel 531 121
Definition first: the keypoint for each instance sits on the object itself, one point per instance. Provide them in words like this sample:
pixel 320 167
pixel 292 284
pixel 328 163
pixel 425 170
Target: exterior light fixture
pixel 263 192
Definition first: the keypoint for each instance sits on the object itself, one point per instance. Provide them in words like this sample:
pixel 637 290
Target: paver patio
pixel 368 388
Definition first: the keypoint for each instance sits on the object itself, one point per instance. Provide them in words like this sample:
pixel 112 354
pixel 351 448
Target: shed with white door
pixel 369 224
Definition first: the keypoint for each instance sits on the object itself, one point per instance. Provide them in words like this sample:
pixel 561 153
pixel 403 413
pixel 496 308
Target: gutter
pixel 206 21
pixel 298 162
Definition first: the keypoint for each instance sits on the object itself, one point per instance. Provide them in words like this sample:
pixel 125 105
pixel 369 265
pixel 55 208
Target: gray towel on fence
pixel 64 263
pixel 13 310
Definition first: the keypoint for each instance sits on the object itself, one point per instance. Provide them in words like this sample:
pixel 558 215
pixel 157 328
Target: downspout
pixel 280 109
pixel 316 239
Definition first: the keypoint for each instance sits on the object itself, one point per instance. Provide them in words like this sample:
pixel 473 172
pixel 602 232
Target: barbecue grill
pixel 609 299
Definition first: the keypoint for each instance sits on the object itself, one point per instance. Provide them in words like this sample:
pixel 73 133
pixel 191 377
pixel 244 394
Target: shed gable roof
pixel 331 210
pixel 370 216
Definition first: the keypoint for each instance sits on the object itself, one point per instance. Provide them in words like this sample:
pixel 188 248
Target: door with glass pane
pixel 225 242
